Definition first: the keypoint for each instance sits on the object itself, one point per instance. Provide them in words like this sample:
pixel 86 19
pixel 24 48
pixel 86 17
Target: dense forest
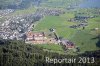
pixel 17 53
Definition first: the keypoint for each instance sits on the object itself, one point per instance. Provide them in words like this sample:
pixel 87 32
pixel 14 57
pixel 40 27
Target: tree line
pixel 17 53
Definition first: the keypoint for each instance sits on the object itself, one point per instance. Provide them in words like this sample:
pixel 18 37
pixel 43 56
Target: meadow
pixel 82 38
pixel 30 10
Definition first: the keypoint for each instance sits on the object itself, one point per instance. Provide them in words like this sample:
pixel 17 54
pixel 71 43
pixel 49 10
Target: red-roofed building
pixel 29 36
pixel 35 37
pixel 68 44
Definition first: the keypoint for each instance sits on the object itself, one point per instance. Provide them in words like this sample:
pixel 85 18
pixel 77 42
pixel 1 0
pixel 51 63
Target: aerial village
pixel 20 28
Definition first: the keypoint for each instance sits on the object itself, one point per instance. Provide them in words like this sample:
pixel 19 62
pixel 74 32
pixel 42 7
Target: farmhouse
pixel 68 44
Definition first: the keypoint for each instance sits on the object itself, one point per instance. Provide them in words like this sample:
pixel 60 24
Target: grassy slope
pixel 24 11
pixel 59 23
pixel 82 38
pixel 94 23
pixel 51 47
pixel 85 41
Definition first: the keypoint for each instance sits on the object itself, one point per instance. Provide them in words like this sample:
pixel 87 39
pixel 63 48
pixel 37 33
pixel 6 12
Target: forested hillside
pixel 17 53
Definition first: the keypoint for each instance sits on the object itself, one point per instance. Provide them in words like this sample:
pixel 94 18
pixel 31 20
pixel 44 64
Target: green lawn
pixel 53 47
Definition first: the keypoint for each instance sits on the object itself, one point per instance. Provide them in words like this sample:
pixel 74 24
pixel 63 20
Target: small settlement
pixel 19 27
pixel 41 38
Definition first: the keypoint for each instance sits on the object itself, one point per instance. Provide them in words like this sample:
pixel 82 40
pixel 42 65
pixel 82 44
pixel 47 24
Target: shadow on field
pixel 98 43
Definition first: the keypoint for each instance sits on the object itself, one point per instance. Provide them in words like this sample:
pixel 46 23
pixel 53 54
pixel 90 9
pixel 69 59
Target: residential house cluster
pixel 53 12
pixel 39 38
pixel 16 26
pixel 5 12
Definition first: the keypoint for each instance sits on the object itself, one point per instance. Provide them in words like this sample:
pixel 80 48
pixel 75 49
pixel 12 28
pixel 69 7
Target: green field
pixel 58 23
pixel 30 10
pixel 53 47
pixel 59 3
pixel 85 41
pixel 82 38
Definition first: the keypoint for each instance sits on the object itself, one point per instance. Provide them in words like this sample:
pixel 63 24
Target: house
pixel 68 44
